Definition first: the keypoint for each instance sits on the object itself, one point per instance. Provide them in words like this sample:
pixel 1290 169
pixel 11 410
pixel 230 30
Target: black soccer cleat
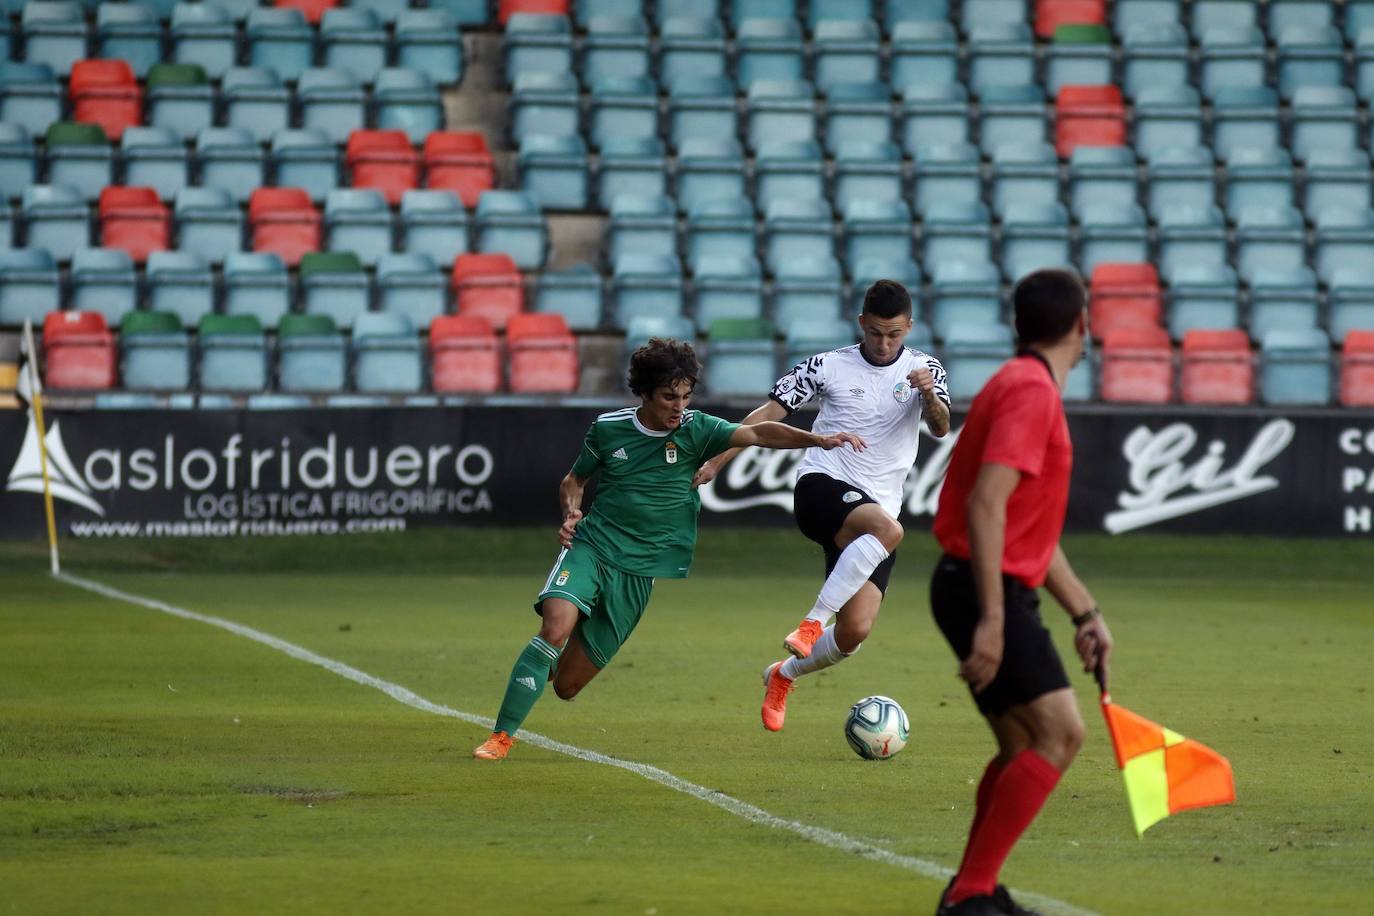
pixel 1003 898
pixel 982 905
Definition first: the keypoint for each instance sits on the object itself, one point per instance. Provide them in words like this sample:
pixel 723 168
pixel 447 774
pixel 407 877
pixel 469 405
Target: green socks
pixel 526 685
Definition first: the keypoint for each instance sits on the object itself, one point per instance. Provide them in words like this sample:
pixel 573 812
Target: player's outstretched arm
pixel 769 410
pixel 570 502
pixel 772 434
pixel 1091 638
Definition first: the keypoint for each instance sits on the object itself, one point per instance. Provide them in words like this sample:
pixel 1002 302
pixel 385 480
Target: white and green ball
pixel 876 728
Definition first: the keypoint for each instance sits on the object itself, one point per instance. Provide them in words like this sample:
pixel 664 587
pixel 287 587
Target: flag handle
pixel 37 396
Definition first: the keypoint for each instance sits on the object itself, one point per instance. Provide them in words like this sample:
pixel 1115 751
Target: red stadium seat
pixel 509 8
pixel 384 160
pixel 1217 368
pixel 466 355
pixel 460 162
pixel 1089 116
pixel 105 92
pixel 312 10
pixel 1124 295
pixel 285 222
pixel 488 286
pixel 78 350
pixel 543 354
pixel 1137 366
pixel 1357 369
pixel 134 219
pixel 1050 14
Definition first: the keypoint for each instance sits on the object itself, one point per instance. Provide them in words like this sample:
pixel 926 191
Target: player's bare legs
pixel 537 661
pixel 575 670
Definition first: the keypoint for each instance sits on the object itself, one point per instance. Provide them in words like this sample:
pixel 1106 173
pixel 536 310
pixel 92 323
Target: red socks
pixel 1009 798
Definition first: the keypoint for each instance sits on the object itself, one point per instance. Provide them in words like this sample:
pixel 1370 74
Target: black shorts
pixel 1030 666
pixel 821 504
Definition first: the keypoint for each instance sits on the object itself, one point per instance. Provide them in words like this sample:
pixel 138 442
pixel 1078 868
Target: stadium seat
pixel 488 286
pixel 1080 55
pixel 156 352
pixel 691 46
pixel 807 337
pixel 615 47
pixel 7 225
pixel 1364 62
pixel 1137 367
pixel 1102 175
pixel 280 39
pixel 1268 238
pixel 203 34
pixel 788 170
pixel 1282 297
pixel 1153 54
pixel 256 101
pixel 822 11
pixel 382 160
pixel 720 226
pixel 1232 55
pixel 768 49
pixel 779 110
pixel 1179 176
pixel 1323 117
pixel 896 12
pixel 79 157
pixel 623 107
pixel 1295 368
pixel 865 273
pixel 18 162
pixel 709 168
pixel 334 283
pixel 956 232
pixel 1123 295
pixel 1088 116
pixel 642 224
pixel 726 287
pixel 358 220
pixel 57 218
pixel 947 175
pixel 154 157
pixel 386 353
pixel 208 223
pixel 999 54
pixel 645 285
pixel 876 229
pixel 434 223
pixel 845 51
pixel 537 44
pixel 1051 14
pixel 543 355
pixel 129 32
pixel 30 96
pixel 412 285
pixel 966 293
pixel 465 355
pixel 1111 234
pixel 30 285
pixel 305 159
pixel 1344 237
pixel 631 165
pixel 1308 56
pixel 1034 236
pixel 641 329
pixel 230 158
pixel 924 53
pixel 544 103
pixel 807 288
pixel 1259 176
pixel 510 221
pixel 857 110
pixel 180 98
pixel 459 161
pixel 1203 297
pixel 1129 13
pixel 797 228
pixel 574 293
pixel 311 354
pixel 1011 115
pixel 55 33
pixel 233 353
pixel 741 10
pixel 1359 15
pixel 553 170
pixel 1336 178
pixel 740 357
pixel 180 282
pixel 103 282
pixel 1216 368
pixel 700 107
pixel 933 115
pixel 1357 369
pixel 864 169
pixel 428 40
pixel 284 221
pixel 1167 116
pixel 105 93
pixel 257 284
pixel 353 40
pixel 1209 14
pixel 78 351
pixel 407 100
pixel 973 353
pixel 1244 117
pixel 1024 174
pixel 331 101
pixel 1351 298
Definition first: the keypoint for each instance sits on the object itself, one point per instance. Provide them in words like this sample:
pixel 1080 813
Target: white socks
pixel 855 565
pixel 823 654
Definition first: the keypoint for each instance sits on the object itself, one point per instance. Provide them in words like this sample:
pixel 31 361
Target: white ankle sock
pixel 823 654
pixel 855 565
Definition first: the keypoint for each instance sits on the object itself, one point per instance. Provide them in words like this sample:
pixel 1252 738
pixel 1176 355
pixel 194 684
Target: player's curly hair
pixel 661 362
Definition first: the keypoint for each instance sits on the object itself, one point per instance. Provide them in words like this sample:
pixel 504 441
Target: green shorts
pixel 611 601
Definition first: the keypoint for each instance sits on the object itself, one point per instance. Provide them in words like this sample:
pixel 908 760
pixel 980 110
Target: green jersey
pixel 644 519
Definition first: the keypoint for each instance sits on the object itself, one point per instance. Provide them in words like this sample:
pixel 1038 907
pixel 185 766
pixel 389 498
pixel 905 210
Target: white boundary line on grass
pixel 831 838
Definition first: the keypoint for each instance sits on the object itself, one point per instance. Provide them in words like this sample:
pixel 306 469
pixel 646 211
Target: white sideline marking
pixel 831 838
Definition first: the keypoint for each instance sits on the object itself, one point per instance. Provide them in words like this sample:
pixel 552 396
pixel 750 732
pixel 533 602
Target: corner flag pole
pixel 36 393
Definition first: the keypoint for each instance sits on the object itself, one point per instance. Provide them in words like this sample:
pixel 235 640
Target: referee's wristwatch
pixel 1091 613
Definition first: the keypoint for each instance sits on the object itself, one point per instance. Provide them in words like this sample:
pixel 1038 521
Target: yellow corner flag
pixel 1165 773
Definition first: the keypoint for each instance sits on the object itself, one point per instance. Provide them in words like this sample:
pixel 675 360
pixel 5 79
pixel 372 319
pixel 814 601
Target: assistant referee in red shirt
pixel 1001 513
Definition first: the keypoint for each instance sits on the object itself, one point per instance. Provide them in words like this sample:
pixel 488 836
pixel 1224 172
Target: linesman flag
pixel 28 383
pixel 1165 773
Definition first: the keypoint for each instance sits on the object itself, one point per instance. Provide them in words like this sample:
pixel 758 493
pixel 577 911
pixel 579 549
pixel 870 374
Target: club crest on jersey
pixel 562 578
pixel 901 392
pixel 670 452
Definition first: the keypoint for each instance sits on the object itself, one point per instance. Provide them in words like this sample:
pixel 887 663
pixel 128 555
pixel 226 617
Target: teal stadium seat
pixel 1078 55
pixel 1244 117
pixel 334 283
pixel 257 284
pixel 1308 55
pixel 208 223
pixel 1259 176
pixel 311 354
pixel 103 280
pixel 645 285
pixel 79 157
pixel 407 100
pixel 877 230
pixel 18 161
pixel 700 107
pixel 203 34
pixel 956 232
pixel 411 285
pixel 924 53
pixel 1013 114
pixel 1153 54
pixel 1351 298
pixel 1336 178
pixel 1034 236
pixel 623 107
pixel 720 226
pixel 255 100
pixel 740 360
pixel 428 40
pixel 1190 234
pixel 305 159
pixel 56 218
pixel 331 101
pixel 544 103
pixel 358 220
pixel 179 282
pixel 1102 175
pixel 1268 238
pixel 1295 368
pixel 864 169
pixel 30 285
pixel 1128 13
pixel 999 53
pixel 574 293
pixel 1167 116
pixel 631 165
pixel 1204 297
pixel 947 175
pixel 691 46
pixel 1232 55
pixel 535 43
pixel 857 110
pixel 1179 176
pixel 973 353
pixel 768 49
pixel 1112 233
pixel 553 169
pixel 1282 298
pixel 964 292
pixel 154 157
pixel 788 170
pixel 55 34
pixel 933 114
pixel 1323 117
pixel 726 287
pixel 229 158
pixel 510 222
pixel 780 110
pixel 280 38
pixel 642 224
pixel 845 51
pixel 615 47
pixel 353 40
pixel 709 168
pixel 179 97
pixel 156 352
pixel 807 288
pixel 797 228
pixel 129 32
pixel 1344 238
pixel 434 223
pixel 1024 174
pixel 30 95
pixel 233 354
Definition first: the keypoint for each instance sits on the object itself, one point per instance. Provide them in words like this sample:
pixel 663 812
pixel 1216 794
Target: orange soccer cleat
pixel 776 689
pixel 494 748
pixel 800 640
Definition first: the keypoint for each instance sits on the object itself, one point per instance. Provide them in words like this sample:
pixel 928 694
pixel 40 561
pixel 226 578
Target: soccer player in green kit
pixel 643 525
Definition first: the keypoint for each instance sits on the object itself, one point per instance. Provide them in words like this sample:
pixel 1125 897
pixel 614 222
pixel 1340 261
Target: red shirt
pixel 1016 420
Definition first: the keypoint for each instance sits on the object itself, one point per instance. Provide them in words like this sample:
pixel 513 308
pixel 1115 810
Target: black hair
pixel 660 363
pixel 1046 304
pixel 887 299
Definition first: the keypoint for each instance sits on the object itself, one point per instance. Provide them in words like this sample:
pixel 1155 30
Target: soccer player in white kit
pixel 848 501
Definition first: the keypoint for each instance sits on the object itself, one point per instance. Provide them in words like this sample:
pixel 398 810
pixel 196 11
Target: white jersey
pixel 875 402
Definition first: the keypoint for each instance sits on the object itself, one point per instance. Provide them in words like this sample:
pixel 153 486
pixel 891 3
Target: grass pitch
pixel 155 765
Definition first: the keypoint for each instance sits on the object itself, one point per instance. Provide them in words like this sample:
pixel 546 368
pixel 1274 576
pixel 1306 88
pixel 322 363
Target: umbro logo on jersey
pixel 525 682
pixel 620 453
pixel 857 392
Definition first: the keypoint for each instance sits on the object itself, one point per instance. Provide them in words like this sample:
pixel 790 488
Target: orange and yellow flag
pixel 1165 773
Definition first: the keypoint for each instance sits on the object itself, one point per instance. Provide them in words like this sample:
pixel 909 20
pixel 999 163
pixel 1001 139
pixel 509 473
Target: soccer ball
pixel 876 728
